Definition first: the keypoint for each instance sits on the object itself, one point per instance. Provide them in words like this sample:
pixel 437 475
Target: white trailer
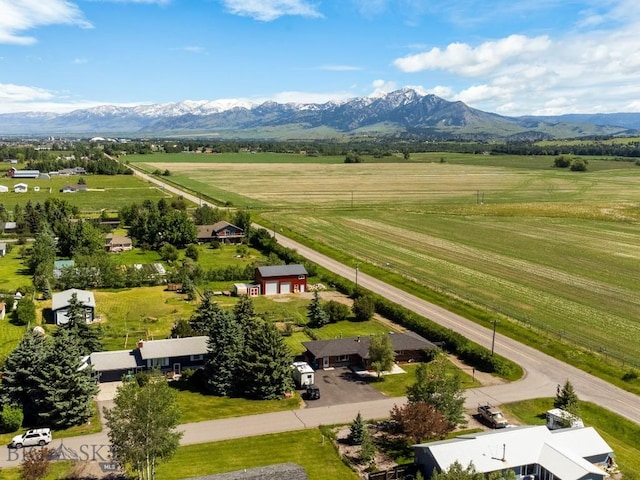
pixel 558 418
pixel 303 374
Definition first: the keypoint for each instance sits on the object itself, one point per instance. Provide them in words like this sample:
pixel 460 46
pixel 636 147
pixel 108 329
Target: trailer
pixel 492 415
pixel 303 374
pixel 559 418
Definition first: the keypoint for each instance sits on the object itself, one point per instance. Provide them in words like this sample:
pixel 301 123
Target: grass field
pixel 105 191
pixel 549 248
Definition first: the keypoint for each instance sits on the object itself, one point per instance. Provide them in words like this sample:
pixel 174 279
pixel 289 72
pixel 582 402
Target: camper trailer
pixel 558 418
pixel 303 374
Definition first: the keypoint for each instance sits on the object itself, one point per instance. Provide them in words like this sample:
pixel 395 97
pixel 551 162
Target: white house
pixel 567 454
pixel 60 305
pixel 4 189
pixel 20 187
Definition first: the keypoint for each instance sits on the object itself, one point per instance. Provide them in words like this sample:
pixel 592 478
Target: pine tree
pixel 20 379
pixel 567 399
pixel 245 313
pixel 356 430
pixel 265 370
pixel 67 390
pixel 202 319
pixel 316 314
pixel 225 347
pixel 87 337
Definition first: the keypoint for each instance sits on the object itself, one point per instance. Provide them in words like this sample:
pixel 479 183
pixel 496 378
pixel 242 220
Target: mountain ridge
pixel 406 113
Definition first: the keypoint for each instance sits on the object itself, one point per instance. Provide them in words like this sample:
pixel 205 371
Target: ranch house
pixel 223 232
pixel 281 279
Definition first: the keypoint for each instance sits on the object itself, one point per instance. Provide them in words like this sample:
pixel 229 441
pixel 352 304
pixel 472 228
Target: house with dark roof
pixel 354 351
pixel 60 305
pixel 530 451
pixel 170 355
pixel 281 279
pixel 223 232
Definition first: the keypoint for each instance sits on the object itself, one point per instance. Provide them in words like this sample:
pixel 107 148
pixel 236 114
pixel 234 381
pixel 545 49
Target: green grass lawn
pixel 58 470
pixel 305 447
pixel 621 434
pixel 13 271
pixel 196 407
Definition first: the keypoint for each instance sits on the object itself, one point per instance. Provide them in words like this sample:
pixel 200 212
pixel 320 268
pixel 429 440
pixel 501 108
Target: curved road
pixel 542 372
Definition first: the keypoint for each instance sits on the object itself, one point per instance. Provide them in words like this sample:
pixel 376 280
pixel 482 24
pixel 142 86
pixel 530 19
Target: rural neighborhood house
pixel 60 305
pixel 223 232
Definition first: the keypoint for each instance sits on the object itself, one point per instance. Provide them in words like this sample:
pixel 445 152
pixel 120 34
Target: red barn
pixel 280 279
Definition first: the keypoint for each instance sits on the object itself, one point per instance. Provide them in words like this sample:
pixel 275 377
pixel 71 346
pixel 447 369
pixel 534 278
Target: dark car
pixel 312 393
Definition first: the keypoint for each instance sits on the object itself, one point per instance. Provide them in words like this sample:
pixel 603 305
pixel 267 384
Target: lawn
pixel 621 434
pixel 307 448
pixel 13 271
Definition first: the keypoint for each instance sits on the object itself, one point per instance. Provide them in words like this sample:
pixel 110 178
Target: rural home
pixel 20 187
pixel 8 226
pixel 117 243
pixel 223 232
pixel 15 173
pixel 281 279
pixel 60 305
pixel 354 351
pixel 4 189
pixel 567 454
pixel 171 356
pixel 3 249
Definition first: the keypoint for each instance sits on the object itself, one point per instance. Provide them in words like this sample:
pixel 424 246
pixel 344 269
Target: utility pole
pixel 357 265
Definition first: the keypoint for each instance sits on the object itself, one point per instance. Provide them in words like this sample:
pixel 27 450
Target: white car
pixel 31 438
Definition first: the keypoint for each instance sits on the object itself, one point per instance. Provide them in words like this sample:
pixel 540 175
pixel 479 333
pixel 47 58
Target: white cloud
pixel 18 16
pixel 269 10
pixel 11 93
pixel 80 61
pixel 380 87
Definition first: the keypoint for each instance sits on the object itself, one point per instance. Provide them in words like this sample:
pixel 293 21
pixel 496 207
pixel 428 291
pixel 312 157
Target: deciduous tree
pixel 142 425
pixel 363 308
pixel 381 353
pixel 420 421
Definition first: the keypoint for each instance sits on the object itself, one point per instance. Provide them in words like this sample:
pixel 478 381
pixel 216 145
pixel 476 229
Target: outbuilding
pixel 20 187
pixel 281 279
pixel 303 374
pixel 60 305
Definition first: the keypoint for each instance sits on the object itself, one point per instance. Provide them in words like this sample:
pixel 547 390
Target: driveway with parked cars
pixel 340 385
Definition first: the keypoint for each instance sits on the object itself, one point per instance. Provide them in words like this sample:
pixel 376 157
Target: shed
pixel 4 189
pixel 281 279
pixel 239 289
pixel 20 187
pixel 60 305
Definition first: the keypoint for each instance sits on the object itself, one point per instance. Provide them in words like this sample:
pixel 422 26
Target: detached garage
pixel 281 279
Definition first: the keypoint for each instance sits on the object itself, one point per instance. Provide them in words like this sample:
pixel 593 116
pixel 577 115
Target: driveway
pixel 341 385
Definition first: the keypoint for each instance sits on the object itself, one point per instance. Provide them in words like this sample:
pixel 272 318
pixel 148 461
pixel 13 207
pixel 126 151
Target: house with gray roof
pixel 354 351
pixel 281 279
pixel 60 305
pixel 530 451
pixel 170 355
pixel 223 232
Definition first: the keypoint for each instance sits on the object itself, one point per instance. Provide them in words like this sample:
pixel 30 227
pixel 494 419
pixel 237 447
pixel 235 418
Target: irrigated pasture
pixel 556 249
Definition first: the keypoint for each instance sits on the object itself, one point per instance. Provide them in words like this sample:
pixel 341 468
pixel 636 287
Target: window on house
pixel 196 358
pixel 300 277
pixel 158 362
pixel 343 358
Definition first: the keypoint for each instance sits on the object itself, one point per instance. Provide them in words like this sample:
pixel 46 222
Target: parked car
pixel 312 393
pixel 31 438
pixel 492 415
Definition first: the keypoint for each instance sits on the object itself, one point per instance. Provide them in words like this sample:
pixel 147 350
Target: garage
pixel 271 288
pixel 285 287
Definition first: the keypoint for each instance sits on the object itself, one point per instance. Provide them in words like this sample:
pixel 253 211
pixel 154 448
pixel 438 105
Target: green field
pixel 105 191
pixel 548 248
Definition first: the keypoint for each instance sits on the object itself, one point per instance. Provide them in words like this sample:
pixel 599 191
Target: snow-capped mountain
pixel 405 112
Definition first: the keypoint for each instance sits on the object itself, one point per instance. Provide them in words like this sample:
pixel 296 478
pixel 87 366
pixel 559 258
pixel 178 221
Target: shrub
pixel 10 418
pixel 363 308
pixel 336 311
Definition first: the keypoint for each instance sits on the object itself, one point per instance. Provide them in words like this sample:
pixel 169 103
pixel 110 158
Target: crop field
pixel 550 248
pixel 104 191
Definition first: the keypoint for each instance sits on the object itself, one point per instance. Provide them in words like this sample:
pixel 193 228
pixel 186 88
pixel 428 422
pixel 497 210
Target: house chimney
pixel 140 343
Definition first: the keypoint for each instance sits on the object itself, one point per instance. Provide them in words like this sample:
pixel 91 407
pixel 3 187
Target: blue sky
pixel 512 57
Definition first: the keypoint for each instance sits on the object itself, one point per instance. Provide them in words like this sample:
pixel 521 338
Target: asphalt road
pixel 542 375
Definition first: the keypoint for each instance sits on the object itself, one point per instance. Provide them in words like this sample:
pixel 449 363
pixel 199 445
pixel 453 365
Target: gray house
pixel 60 305
pixel 170 356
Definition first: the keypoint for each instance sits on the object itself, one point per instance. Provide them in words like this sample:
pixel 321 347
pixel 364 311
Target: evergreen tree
pixel 142 425
pixel 356 430
pixel 567 399
pixel 368 449
pixel 225 347
pixel 87 337
pixel 245 313
pixel 381 353
pixel 440 389
pixel 265 369
pixel 316 314
pixel 68 391
pixel 457 472
pixel 20 378
pixel 202 318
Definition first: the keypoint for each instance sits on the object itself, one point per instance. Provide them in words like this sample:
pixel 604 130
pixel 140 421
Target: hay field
pixel 555 249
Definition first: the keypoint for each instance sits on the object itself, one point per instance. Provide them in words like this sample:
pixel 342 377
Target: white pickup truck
pixel 492 415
